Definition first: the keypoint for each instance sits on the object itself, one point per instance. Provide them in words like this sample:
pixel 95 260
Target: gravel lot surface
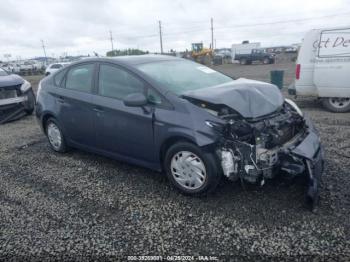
pixel 78 205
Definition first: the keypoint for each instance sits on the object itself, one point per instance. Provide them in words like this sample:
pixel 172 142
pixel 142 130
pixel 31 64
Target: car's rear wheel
pixel 243 61
pixel 55 136
pixel 337 104
pixel 190 169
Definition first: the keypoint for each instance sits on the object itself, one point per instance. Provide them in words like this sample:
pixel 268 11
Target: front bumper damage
pixel 302 155
pixel 13 108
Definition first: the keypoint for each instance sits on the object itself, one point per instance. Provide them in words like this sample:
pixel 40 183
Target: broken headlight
pixel 294 106
pixel 25 86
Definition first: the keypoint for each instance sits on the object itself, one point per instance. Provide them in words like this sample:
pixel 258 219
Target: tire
pixel 243 61
pixel 30 104
pixel 192 184
pixel 61 146
pixel 266 61
pixel 336 105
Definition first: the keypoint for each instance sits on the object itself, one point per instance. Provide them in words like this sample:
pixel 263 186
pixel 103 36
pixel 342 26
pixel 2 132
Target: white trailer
pixel 243 49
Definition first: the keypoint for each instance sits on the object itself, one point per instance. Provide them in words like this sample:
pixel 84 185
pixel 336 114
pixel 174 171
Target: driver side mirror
pixel 135 99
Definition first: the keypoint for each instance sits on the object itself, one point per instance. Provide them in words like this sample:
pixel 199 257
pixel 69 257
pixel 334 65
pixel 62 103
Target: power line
pixel 197 28
pixel 259 24
pixel 284 21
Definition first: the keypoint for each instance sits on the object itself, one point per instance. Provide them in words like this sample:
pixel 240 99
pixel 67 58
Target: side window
pixel 80 78
pixel 153 97
pixel 117 83
pixel 58 77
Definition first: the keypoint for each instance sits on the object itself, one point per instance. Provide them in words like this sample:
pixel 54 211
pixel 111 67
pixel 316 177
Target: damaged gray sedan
pixel 16 97
pixel 170 114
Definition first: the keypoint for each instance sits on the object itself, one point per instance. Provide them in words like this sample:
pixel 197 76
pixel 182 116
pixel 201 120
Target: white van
pixel 323 68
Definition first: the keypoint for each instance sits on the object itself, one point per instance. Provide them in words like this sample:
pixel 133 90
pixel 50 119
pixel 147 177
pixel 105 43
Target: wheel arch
pixel 167 143
pixel 46 116
pixel 206 145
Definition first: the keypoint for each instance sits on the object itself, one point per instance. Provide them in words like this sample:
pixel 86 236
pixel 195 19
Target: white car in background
pixel 11 68
pixel 54 67
pixel 323 68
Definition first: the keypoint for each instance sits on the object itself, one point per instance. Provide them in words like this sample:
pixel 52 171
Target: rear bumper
pixel 292 90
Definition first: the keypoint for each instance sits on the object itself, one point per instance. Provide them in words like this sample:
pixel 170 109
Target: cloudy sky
pixel 80 27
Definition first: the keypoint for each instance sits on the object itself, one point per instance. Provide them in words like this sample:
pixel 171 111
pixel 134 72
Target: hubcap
pixel 54 135
pixel 188 170
pixel 339 102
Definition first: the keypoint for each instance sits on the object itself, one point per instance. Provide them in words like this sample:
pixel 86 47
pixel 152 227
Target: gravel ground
pixel 78 205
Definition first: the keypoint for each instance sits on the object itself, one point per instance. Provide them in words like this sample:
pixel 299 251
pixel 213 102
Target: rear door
pixel 122 130
pixel 75 105
pixel 304 82
pixel 332 65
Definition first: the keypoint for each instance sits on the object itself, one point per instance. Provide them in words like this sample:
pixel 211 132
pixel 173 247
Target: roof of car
pixel 141 59
pixel 135 59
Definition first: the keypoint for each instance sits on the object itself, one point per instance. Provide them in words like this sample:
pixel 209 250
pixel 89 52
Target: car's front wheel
pixel 55 136
pixel 191 170
pixel 266 61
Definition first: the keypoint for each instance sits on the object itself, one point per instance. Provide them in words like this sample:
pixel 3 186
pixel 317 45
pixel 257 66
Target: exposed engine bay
pixel 258 146
pixel 256 149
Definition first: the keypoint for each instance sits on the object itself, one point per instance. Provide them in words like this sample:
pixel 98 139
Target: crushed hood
pixel 249 98
pixel 10 80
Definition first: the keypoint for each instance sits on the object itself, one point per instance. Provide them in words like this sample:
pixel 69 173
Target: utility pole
pixel 43 46
pixel 212 34
pixel 160 37
pixel 111 38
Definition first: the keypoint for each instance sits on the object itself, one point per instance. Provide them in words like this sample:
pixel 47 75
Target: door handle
pixel 60 99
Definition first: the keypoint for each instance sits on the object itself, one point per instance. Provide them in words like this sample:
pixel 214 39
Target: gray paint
pixel 10 80
pixel 249 98
pixel 106 126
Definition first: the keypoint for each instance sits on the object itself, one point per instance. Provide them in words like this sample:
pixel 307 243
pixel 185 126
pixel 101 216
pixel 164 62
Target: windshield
pixel 182 76
pixel 3 72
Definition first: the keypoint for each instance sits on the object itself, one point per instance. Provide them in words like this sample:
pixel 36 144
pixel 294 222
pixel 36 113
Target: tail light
pixel 297 72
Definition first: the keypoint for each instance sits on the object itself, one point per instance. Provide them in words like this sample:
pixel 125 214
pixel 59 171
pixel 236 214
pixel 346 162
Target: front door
pixel 126 131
